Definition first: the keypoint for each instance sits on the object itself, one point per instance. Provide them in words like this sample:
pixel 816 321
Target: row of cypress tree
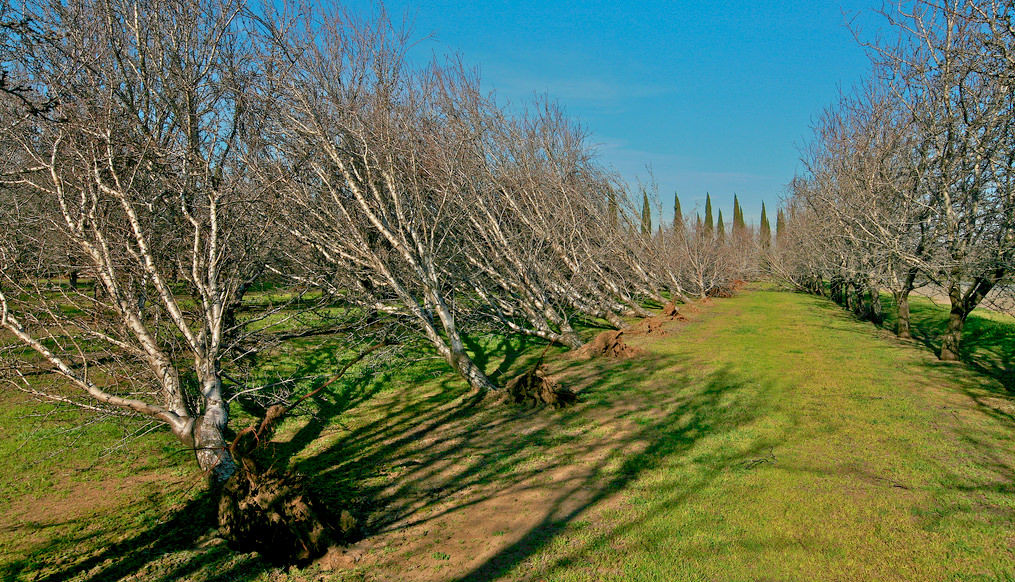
pixel 717 226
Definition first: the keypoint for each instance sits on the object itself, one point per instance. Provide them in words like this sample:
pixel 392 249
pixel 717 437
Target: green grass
pixel 770 437
pixel 988 339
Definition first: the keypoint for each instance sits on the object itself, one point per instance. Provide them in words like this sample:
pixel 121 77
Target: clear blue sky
pixel 716 96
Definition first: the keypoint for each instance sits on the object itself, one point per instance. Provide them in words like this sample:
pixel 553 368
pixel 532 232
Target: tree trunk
pixel 570 337
pixel 902 314
pixel 211 447
pixel 453 350
pixel 464 365
pixel 962 304
pixel 875 313
pixel 902 322
pixel 952 337
pixel 208 429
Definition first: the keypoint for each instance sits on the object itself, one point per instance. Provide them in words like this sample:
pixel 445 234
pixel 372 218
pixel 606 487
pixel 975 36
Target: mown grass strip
pixel 771 437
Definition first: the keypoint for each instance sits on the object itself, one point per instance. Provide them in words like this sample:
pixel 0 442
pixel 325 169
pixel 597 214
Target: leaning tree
pixel 141 175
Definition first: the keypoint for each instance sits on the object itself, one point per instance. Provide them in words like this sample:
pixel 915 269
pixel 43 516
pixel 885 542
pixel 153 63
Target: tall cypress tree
pixel 739 226
pixel 780 227
pixel 698 218
pixel 708 214
pixel 678 217
pixel 720 228
pixel 646 215
pixel 766 230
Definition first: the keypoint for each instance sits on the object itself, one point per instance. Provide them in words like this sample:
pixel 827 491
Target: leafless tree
pixel 916 174
pixel 953 67
pixel 174 153
pixel 370 177
pixel 420 198
pixel 141 174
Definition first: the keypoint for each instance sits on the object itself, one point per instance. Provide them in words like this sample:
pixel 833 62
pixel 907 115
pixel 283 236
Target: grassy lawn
pixel 769 437
pixel 988 339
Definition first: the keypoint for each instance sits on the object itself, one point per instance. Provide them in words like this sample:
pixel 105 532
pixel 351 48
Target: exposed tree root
pixel 727 290
pixel 537 387
pixel 650 326
pixel 273 514
pixel 670 310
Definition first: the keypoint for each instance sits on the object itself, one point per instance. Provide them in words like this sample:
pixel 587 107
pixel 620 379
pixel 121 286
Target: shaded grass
pixel 988 338
pixel 772 437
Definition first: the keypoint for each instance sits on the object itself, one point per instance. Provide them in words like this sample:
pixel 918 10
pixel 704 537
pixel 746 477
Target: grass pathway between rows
pixel 769 437
pixel 807 445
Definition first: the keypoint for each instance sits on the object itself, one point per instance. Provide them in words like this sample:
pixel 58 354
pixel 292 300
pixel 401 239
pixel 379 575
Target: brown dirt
pixel 670 310
pixel 723 291
pixel 650 326
pixel 435 519
pixel 76 500
pixel 608 344
pixel 450 532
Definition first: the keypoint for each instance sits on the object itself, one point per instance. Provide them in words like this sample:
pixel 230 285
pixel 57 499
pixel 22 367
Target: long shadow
pixel 988 350
pixel 416 454
pixel 506 348
pixel 178 530
pixel 988 345
pixel 686 422
pixel 408 457
pixel 132 554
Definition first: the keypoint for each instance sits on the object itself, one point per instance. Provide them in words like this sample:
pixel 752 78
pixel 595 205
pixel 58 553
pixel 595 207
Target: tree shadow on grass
pixel 981 487
pixel 988 340
pixel 134 553
pixel 506 350
pixel 684 414
pixel 433 450
pixel 427 458
pixel 170 546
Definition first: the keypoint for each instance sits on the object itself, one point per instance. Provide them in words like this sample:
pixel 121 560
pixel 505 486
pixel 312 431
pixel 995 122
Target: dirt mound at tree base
pixel 274 515
pixel 670 310
pixel 608 344
pixel 536 386
pixel 650 326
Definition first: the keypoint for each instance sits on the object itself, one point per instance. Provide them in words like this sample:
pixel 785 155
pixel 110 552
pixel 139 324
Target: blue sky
pixel 716 96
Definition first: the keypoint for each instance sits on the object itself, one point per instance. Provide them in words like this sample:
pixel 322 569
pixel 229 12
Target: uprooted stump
pixel 650 326
pixel 274 515
pixel 609 344
pixel 537 387
pixel 273 512
pixel 670 310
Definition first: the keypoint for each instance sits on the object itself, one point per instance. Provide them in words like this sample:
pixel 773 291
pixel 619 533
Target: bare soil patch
pixel 608 344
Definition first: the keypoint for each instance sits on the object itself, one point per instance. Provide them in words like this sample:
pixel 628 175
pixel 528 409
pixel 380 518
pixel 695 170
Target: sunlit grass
pixel 771 437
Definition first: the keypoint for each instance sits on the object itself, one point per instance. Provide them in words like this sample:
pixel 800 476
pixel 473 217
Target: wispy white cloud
pixel 599 91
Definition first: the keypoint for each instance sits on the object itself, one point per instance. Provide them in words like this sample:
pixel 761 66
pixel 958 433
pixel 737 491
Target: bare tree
pixel 915 171
pixel 953 64
pixel 142 172
pixel 371 176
